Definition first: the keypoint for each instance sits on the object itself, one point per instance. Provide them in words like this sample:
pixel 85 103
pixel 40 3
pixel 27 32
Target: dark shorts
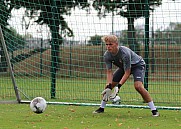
pixel 137 71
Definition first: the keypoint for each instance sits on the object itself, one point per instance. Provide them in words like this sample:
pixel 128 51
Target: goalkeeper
pixel 128 62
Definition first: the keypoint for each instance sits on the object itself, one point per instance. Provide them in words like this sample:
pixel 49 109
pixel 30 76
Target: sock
pixel 103 104
pixel 151 105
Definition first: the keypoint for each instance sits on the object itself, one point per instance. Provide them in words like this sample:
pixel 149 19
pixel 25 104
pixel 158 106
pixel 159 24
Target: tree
pixel 95 40
pixel 12 42
pixel 12 38
pixel 51 12
pixel 170 35
pixel 3 22
pixel 48 9
pixel 130 9
pixel 173 32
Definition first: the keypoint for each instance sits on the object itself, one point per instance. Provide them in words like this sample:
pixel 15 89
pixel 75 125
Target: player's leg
pixel 146 96
pixel 138 74
pixel 117 75
pixel 143 92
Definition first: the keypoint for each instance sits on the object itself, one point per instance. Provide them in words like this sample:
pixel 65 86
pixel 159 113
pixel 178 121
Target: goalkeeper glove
pixel 116 91
pixel 106 93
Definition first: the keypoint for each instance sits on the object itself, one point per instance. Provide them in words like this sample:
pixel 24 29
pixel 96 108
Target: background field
pixel 19 116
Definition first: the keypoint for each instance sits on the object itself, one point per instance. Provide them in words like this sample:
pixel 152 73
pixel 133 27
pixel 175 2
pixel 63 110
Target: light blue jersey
pixel 124 59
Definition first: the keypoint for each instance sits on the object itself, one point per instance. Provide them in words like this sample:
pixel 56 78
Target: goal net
pixel 54 49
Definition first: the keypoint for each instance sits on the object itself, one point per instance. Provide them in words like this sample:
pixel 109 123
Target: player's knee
pixel 139 87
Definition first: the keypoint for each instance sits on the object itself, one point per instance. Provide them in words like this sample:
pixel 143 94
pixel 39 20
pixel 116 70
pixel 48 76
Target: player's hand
pixel 107 92
pixel 115 92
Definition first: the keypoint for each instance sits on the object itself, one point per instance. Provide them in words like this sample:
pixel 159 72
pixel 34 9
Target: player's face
pixel 112 47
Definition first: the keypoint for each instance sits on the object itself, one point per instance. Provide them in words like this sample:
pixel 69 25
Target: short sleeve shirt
pixel 125 58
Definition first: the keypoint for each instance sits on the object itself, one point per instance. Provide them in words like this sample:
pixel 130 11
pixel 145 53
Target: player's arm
pixel 125 76
pixel 107 91
pixel 127 67
pixel 122 81
pixel 109 76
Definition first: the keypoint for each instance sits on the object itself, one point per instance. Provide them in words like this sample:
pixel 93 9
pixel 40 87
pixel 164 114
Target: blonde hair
pixel 110 39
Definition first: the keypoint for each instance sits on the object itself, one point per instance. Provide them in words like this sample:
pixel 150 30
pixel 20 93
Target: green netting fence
pixel 55 49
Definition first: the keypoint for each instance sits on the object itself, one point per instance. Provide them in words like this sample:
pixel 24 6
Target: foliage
pixel 129 9
pixel 95 40
pixel 125 8
pixel 170 35
pixel 51 13
pixel 14 40
pixel 49 9
pixel 5 13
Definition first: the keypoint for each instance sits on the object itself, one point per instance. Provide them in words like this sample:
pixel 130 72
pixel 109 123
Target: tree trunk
pixel 133 45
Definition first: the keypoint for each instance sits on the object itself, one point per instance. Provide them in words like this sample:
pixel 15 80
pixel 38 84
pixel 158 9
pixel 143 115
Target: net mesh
pixel 56 51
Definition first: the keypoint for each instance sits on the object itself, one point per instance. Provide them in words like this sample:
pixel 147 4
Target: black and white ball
pixel 116 100
pixel 38 105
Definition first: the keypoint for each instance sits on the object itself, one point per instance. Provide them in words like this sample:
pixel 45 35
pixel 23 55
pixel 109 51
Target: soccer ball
pixel 116 100
pixel 38 105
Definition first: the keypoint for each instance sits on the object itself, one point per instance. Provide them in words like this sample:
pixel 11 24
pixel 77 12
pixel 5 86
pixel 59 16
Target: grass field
pixel 19 116
pixel 77 90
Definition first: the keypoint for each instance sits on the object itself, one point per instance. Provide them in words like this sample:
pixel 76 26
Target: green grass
pixel 19 116
pixel 77 90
